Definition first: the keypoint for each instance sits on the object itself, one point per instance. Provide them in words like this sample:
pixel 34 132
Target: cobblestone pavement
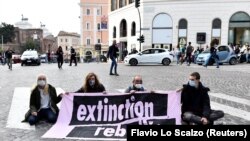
pixel 232 81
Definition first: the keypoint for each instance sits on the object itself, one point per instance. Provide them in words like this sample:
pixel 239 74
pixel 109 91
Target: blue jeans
pixel 177 59
pixel 46 114
pixel 113 64
pixel 247 57
pixel 213 57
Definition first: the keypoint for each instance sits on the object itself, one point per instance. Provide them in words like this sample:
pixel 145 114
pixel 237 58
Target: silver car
pixel 225 53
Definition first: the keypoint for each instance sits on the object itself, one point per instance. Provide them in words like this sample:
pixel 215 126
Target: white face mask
pixel 138 86
pixel 91 83
pixel 192 83
pixel 41 83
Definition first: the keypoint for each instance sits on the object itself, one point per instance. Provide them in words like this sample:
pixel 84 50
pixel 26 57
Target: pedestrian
pixel 189 52
pixel 178 54
pixel 124 53
pixel 92 85
pixel 72 56
pixel 112 54
pixel 59 54
pixel 213 53
pixel 247 53
pixel 49 56
pixel 195 102
pixel 43 102
pixel 8 55
pixel 183 50
pixel 136 85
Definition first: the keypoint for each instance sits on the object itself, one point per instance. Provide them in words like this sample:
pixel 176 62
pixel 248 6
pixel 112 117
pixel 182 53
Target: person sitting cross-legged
pixel 196 103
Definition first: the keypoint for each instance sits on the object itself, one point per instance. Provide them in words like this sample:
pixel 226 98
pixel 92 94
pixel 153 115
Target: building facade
pixel 94 27
pixel 67 40
pixel 166 23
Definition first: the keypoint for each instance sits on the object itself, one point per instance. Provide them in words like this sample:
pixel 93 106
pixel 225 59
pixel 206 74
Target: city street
pixel 230 87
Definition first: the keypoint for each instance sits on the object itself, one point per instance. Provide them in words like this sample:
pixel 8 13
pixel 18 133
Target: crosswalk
pixel 20 105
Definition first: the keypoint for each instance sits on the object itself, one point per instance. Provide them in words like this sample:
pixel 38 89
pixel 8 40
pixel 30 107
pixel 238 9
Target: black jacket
pixel 8 54
pixel 196 100
pixel 35 101
pixel 112 52
pixel 96 89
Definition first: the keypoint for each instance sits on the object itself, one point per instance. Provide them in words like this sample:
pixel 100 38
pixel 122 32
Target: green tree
pixel 8 32
pixel 30 44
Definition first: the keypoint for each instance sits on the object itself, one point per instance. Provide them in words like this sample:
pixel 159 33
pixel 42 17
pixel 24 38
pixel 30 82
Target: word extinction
pixel 104 111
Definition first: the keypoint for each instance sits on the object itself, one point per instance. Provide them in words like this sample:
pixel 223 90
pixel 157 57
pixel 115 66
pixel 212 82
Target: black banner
pixel 117 109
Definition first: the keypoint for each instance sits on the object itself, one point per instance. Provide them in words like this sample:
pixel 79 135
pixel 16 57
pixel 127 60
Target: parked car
pixel 30 57
pixel 43 58
pixel 16 58
pixel 225 53
pixel 150 56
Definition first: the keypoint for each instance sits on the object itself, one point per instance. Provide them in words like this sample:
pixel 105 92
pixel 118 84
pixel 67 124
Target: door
pixel 223 53
pixel 146 56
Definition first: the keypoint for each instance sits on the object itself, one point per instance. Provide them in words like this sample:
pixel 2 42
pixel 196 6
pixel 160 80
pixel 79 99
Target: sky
pixel 57 15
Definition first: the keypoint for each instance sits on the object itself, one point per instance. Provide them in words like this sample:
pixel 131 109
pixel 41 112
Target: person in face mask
pixel 92 85
pixel 137 85
pixel 196 103
pixel 43 102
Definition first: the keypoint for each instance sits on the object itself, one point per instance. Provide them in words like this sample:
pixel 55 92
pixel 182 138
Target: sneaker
pixel 111 74
pixel 116 74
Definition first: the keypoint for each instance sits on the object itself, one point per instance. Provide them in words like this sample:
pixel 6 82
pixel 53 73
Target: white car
pixel 150 56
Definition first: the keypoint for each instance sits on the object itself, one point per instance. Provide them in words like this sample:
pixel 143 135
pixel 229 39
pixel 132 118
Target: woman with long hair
pixel 91 85
pixel 59 54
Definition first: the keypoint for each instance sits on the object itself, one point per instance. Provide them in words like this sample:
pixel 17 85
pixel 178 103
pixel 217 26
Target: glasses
pixel 192 79
pixel 41 78
pixel 138 81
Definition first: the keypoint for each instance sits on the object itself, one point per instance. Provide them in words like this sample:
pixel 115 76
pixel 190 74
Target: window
pixel 88 41
pixel 131 1
pixel 133 29
pixel 223 48
pixel 66 40
pixel 159 51
pixel 66 48
pixel 123 28
pixel 113 5
pixel 114 32
pixel 88 26
pixel 149 51
pixel 61 40
pixel 216 29
pixel 182 39
pixel 98 12
pixel 98 26
pixel 122 3
pixel 88 12
pixel 98 41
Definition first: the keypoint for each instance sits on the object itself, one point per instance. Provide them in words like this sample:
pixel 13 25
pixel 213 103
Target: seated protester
pixel 137 85
pixel 196 103
pixel 91 85
pixel 43 102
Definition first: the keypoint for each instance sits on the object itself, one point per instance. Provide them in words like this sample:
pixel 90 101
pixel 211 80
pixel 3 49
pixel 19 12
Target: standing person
pixel 183 50
pixel 72 56
pixel 59 54
pixel 49 56
pixel 247 53
pixel 8 55
pixel 213 53
pixel 196 103
pixel 43 102
pixel 189 52
pixel 124 53
pixel 137 85
pixel 92 85
pixel 112 54
pixel 178 54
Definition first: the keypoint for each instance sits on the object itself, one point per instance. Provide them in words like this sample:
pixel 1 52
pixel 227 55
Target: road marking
pixel 231 98
pixel 19 106
pixel 231 110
